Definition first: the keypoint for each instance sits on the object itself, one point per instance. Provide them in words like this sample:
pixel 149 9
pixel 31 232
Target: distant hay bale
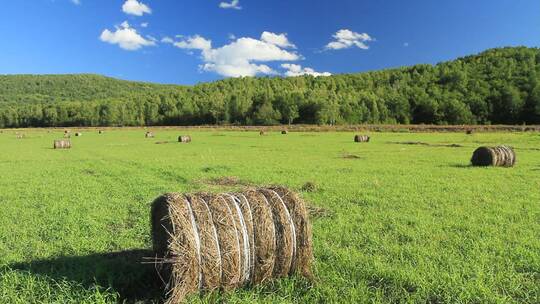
pixel 284 132
pixel 62 144
pixel 184 139
pixel 20 135
pixel 206 242
pixel 149 135
pixel 78 134
pixel 262 133
pixel 309 187
pixel 101 132
pixel 361 138
pixel 469 132
pixel 67 131
pixel 500 156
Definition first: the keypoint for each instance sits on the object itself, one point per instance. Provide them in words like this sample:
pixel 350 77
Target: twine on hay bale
pixel 184 139
pixel 149 135
pixel 361 138
pixel 62 144
pixel 500 156
pixel 205 242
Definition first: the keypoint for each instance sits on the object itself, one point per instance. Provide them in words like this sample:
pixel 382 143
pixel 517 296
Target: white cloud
pixel 76 2
pixel 406 44
pixel 134 7
pixel 280 40
pixel 144 24
pixel 195 43
pixel 241 57
pixel 167 39
pixel 235 4
pixel 126 37
pixel 294 70
pixel 345 39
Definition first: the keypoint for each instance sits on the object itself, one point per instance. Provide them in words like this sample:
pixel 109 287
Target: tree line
pixel 498 86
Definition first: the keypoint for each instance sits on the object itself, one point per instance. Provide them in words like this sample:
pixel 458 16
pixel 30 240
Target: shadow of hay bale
pixel 350 156
pixel 122 272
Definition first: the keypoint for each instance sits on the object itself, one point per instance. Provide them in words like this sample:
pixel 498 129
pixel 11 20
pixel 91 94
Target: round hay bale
pixel 284 132
pixel 361 138
pixel 184 139
pixel 469 132
pixel 78 134
pixel 225 241
pixel 499 156
pixel 62 144
pixel 101 132
pixel 299 212
pixel 262 133
pixel 149 135
pixel 264 236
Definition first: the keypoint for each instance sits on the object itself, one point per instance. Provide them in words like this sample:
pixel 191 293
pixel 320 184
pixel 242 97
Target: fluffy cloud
pixel 241 57
pixel 195 43
pixel 134 7
pixel 345 39
pixel 280 40
pixel 167 39
pixel 144 24
pixel 126 37
pixel 297 70
pixel 235 4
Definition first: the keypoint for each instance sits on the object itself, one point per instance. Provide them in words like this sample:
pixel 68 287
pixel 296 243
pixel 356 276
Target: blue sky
pixel 191 41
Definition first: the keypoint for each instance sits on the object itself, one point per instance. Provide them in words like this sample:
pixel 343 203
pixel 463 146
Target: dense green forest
pixel 498 86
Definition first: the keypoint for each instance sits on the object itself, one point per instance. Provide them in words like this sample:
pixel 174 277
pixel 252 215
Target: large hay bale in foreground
pixel 149 135
pixel 184 139
pixel 361 138
pixel 62 144
pixel 205 242
pixel 500 156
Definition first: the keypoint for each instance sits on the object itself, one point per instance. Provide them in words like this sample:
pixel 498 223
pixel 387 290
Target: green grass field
pixel 401 223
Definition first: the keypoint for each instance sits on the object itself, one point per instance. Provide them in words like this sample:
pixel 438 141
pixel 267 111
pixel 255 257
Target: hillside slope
pixel 496 86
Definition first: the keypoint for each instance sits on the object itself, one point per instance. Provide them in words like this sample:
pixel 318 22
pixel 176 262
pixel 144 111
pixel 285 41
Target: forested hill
pixel 498 86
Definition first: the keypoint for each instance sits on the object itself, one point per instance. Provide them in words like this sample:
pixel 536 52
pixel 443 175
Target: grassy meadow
pixel 397 223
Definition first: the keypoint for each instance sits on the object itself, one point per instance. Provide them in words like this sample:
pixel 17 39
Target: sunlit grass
pixel 405 223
